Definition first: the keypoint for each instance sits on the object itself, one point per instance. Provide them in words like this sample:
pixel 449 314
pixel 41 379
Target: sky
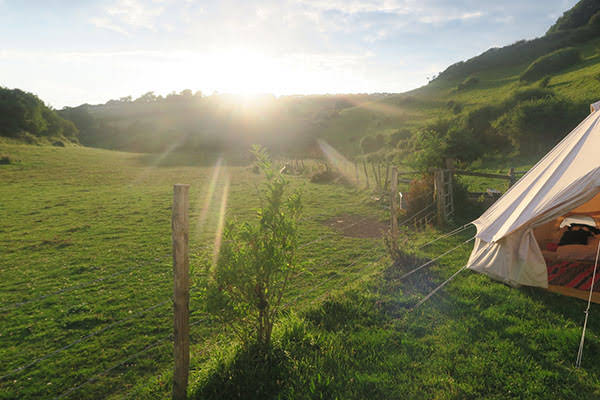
pixel 71 52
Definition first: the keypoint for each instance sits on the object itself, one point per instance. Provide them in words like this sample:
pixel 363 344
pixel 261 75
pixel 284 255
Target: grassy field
pixel 96 224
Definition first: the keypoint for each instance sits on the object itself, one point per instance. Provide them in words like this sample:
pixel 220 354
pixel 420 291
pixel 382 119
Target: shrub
pixel 545 82
pixel 420 194
pixel 468 83
pixel 399 135
pixel 28 138
pixel 255 261
pixel 535 125
pixel 371 144
pixel 551 63
pixel 526 95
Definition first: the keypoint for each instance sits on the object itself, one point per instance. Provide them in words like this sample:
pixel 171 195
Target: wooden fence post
pixel 181 296
pixel 366 172
pixel 511 176
pixel 439 196
pixel 394 205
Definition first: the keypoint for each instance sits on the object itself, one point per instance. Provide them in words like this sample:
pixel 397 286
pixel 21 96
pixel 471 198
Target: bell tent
pixel 542 231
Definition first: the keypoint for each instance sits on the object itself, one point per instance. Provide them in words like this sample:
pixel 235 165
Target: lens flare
pixel 210 192
pixel 339 162
pixel 159 159
pixel 221 222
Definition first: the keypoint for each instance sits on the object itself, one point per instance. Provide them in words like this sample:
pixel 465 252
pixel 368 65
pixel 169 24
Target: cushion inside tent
pixel 571 266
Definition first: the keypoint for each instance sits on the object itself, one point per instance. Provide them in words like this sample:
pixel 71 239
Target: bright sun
pixel 246 72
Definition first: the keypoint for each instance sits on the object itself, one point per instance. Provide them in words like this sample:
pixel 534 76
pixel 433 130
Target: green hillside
pixel 495 91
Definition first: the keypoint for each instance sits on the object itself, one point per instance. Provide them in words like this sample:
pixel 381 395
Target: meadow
pixel 86 283
pixel 94 226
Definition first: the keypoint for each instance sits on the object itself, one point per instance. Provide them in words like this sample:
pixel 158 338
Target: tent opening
pixel 569 244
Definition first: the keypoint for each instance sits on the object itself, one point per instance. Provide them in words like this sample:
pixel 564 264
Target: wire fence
pixel 357 268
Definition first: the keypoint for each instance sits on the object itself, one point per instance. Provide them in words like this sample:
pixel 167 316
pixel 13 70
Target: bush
pixel 536 125
pixel 545 82
pixel 28 138
pixel 255 262
pixel 4 159
pixel 371 144
pixel 526 95
pixel 419 195
pixel 396 137
pixel 551 63
pixel 468 83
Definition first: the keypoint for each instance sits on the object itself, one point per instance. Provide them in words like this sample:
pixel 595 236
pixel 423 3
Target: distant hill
pixel 519 99
pixel 209 124
pixel 24 117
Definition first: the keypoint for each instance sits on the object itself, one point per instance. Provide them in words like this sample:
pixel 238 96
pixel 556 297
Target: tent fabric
pixel 567 177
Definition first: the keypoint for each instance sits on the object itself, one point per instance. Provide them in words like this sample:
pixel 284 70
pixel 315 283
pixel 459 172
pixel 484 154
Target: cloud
pixel 436 18
pixel 123 15
pixel 105 23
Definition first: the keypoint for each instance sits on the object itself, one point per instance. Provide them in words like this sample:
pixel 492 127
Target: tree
pixel 255 262
pixel 148 97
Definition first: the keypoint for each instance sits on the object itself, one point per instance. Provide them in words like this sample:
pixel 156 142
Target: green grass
pixel 74 215
pixel 474 339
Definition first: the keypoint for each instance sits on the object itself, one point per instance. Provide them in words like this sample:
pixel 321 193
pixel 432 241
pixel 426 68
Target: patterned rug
pixel 573 274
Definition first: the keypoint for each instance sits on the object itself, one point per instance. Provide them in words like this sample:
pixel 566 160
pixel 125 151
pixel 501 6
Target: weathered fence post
pixel 440 198
pixel 394 205
pixel 181 296
pixel 511 177
pixel 366 172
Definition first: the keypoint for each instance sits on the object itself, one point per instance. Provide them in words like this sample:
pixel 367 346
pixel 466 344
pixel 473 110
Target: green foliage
pixel 5 159
pixel 23 114
pixel 534 126
pixel 545 82
pixel 398 136
pixel 468 83
pixel 551 63
pixel 577 16
pixel 371 144
pixel 526 95
pixel 255 261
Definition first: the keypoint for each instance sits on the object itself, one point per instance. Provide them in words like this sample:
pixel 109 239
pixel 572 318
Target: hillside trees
pixel 23 113
pixel 529 122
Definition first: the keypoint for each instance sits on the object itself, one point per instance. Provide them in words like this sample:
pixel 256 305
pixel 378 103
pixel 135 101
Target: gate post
pixel 440 198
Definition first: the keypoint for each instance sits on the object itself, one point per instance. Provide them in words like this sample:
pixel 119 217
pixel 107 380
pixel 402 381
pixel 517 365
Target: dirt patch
pixel 357 226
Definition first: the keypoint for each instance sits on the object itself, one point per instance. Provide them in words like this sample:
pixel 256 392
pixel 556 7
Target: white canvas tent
pixel 511 233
